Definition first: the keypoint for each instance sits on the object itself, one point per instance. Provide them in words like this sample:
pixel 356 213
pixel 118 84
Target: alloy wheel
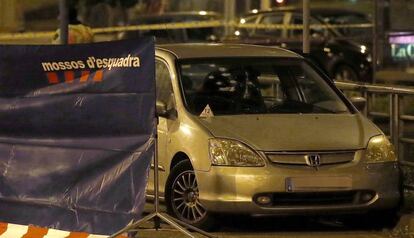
pixel 185 202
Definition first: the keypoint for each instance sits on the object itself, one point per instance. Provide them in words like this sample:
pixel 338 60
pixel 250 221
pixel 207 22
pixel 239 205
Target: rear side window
pixel 314 31
pixel 271 19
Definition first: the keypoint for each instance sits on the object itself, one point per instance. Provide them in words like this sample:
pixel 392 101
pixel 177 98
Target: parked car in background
pixel 254 130
pixel 342 17
pixel 163 36
pixel 340 58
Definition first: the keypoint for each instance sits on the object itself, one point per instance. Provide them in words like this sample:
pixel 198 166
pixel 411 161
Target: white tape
pixel 14 231
pixel 52 233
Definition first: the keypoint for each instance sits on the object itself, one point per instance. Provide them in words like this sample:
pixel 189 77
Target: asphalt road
pixel 294 227
pixel 298 227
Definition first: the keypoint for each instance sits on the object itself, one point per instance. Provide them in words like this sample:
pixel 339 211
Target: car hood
pixel 294 132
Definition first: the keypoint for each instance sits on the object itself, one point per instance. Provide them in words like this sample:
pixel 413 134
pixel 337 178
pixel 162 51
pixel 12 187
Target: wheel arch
pixel 178 157
pixel 340 64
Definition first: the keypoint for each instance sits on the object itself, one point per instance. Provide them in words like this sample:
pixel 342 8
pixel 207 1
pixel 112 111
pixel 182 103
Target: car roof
pixel 186 13
pixel 205 50
pixel 339 11
pixel 176 16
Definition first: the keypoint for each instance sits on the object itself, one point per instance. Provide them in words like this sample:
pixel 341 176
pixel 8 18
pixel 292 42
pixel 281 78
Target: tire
pixel 345 73
pixel 181 197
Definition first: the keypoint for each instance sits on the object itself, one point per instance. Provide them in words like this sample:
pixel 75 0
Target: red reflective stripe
pixel 52 77
pixel 69 76
pixel 35 232
pixel 98 76
pixel 3 227
pixel 84 76
pixel 77 235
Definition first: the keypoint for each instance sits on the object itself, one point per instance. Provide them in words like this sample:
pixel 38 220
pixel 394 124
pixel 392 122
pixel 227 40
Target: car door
pixel 164 94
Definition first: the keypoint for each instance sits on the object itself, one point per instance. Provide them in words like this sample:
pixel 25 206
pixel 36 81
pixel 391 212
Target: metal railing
pixel 395 115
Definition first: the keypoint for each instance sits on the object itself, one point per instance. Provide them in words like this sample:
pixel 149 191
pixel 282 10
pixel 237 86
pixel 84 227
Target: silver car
pixel 258 130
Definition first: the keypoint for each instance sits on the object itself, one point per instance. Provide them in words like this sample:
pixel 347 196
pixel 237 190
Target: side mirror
pixel 359 103
pixel 161 109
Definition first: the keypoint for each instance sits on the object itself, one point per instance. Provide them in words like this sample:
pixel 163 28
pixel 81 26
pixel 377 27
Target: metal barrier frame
pixel 395 113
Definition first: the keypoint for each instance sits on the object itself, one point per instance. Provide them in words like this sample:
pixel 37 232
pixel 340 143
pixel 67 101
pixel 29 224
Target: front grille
pixel 299 158
pixel 287 199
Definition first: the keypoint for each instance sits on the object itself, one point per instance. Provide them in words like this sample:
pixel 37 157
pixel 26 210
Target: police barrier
pixel 77 134
pixel 184 25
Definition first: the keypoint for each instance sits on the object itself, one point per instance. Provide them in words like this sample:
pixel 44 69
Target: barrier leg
pixel 157 216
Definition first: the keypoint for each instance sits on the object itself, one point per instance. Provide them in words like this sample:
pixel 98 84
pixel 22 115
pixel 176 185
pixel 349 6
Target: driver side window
pixel 314 32
pixel 164 86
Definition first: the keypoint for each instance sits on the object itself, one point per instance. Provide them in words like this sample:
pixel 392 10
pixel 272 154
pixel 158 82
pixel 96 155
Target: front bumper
pixel 233 190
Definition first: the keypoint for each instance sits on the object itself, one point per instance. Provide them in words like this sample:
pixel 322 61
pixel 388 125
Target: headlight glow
pixel 227 152
pixel 363 49
pixel 380 150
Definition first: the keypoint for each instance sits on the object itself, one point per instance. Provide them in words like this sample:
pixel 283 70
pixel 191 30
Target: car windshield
pixel 256 86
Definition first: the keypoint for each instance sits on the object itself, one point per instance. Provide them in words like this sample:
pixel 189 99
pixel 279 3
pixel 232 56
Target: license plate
pixel 316 183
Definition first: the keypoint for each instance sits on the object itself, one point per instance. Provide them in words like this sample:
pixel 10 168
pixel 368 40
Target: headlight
pixel 233 153
pixel 380 150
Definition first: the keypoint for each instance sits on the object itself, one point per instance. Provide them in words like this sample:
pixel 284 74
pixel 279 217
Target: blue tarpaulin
pixel 77 126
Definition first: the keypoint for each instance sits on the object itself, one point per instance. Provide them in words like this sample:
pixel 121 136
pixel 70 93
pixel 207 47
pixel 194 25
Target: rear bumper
pixel 234 190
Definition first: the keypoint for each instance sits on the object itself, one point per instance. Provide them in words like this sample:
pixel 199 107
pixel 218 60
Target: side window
pixel 271 19
pixel 163 82
pixel 247 31
pixel 295 33
pixel 352 19
pixel 315 32
pixel 250 20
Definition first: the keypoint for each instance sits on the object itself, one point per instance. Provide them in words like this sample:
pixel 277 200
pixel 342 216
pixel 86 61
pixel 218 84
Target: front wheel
pixel 182 197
